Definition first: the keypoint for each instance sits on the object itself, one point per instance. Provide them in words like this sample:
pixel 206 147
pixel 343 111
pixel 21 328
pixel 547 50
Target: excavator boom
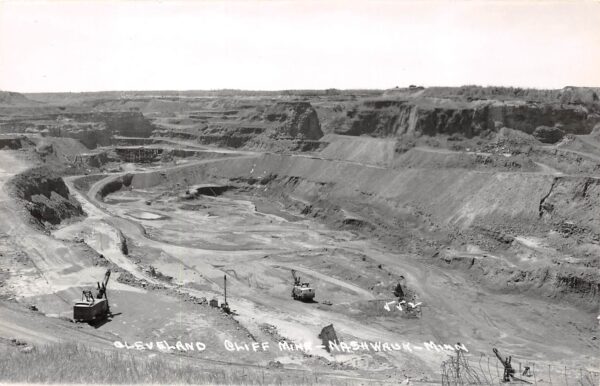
pixel 106 277
pixel 509 371
pixel 102 286
pixel 499 356
pixel 296 278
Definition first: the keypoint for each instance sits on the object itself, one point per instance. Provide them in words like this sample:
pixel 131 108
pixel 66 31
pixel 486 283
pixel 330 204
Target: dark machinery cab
pixel 86 311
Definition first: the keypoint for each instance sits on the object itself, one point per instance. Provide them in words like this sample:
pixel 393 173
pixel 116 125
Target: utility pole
pixel 225 285
pixel 225 305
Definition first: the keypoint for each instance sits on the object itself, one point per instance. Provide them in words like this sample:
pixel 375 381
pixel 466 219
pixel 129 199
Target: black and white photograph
pixel 288 192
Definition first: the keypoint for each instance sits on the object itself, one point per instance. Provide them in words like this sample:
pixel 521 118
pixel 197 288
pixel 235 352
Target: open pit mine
pixel 404 236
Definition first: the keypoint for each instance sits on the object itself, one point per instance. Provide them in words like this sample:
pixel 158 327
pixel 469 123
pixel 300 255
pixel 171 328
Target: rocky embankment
pixel 90 134
pixel 91 129
pixel 286 125
pixel 46 197
pixel 572 204
pixel 14 142
pixel 114 185
pixel 433 116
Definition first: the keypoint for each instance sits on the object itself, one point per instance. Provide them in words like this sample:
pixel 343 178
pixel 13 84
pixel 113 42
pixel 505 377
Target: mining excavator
pixel 92 308
pixel 509 371
pixel 301 291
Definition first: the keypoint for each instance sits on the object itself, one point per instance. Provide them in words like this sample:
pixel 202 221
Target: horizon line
pixel 298 89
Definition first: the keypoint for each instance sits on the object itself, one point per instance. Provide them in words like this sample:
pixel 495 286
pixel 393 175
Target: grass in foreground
pixel 74 363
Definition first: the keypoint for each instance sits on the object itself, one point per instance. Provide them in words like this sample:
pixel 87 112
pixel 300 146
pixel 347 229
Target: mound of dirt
pixel 14 99
pixel 14 142
pixel 548 134
pixel 46 197
pixel 115 185
pixel 511 138
pixel 64 149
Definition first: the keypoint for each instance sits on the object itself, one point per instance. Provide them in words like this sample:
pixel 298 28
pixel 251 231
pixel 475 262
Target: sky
pixel 75 46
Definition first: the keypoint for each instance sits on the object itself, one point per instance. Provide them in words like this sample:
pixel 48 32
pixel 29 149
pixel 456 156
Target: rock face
pixel 296 120
pixel 128 124
pixel 141 155
pixel 123 123
pixel 573 200
pixel 91 129
pixel 280 126
pixel 235 136
pixel 90 134
pixel 376 118
pixel 382 118
pixel 45 196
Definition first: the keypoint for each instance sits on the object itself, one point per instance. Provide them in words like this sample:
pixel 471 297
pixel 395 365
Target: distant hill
pixel 14 99
pixel 588 96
